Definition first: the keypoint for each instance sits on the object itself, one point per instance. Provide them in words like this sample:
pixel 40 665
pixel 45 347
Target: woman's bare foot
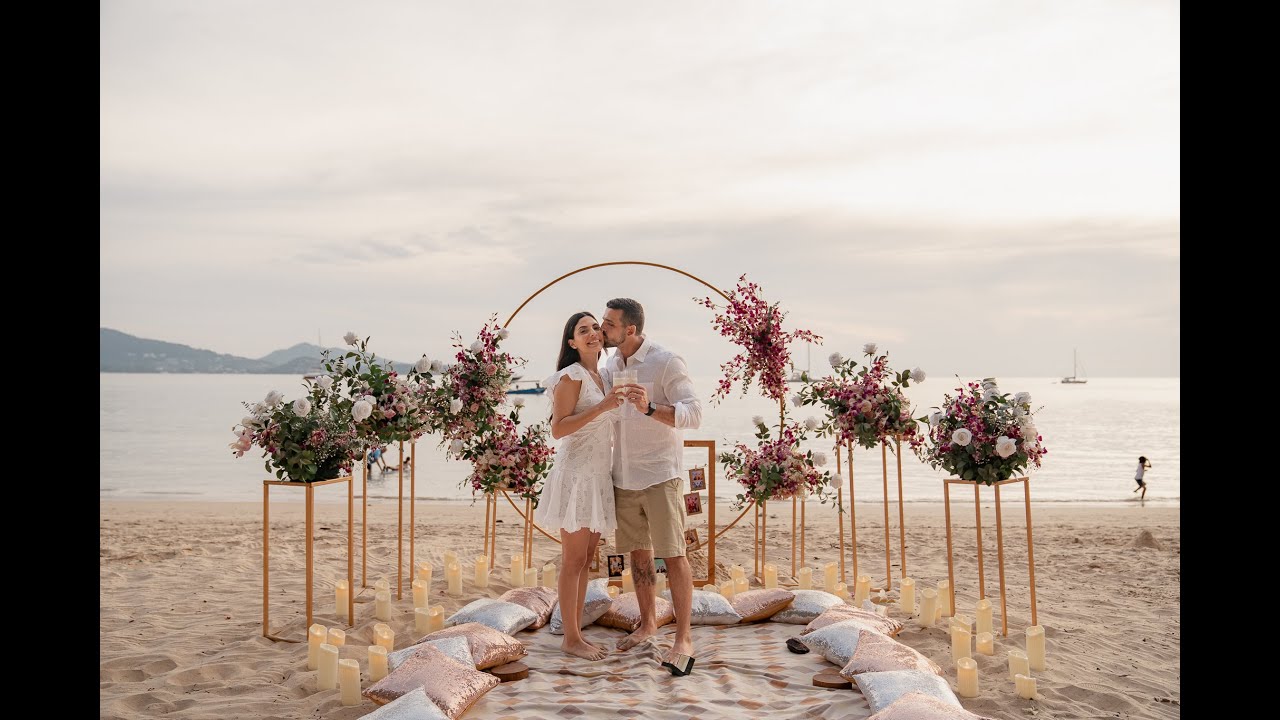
pixel 582 649
pixel 640 635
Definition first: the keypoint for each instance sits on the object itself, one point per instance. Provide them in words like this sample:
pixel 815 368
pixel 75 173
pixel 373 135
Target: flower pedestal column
pixel 310 526
pixel 977 508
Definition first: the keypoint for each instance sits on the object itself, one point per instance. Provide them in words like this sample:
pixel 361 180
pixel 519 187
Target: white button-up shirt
pixel 646 451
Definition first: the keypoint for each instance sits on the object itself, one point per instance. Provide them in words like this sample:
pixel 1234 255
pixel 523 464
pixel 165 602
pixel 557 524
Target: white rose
pixel 273 398
pixel 819 459
pixel 757 420
pixel 350 338
pixel 869 349
pixel 961 437
pixel 455 406
pixel 423 365
pixel 1005 446
pixel 1022 398
pixel 518 402
pixel 796 400
pixel 503 334
pixel 437 366
pixel 477 347
pixel 917 374
pixel 248 421
pixel 934 419
pixel 455 447
pixel 325 382
pixel 302 407
pixel 361 410
pixel 811 423
pixel 260 409
pixel 835 359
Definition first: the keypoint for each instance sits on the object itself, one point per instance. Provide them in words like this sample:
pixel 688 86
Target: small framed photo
pixel 697 478
pixel 691 540
pixel 660 565
pixel 692 504
pixel 617 563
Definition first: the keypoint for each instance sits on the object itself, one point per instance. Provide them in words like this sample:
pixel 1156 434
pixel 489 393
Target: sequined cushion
pixel 595 604
pixel 710 609
pixel 455 647
pixel 489 648
pixel 624 613
pixel 809 604
pixel 882 689
pixel 505 617
pixel 754 605
pixel 917 706
pixel 836 643
pixel 541 600
pixel 450 685
pixel 413 705
pixel 877 653
pixel 868 619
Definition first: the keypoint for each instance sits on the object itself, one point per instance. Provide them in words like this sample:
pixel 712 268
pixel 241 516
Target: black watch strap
pixel 652 409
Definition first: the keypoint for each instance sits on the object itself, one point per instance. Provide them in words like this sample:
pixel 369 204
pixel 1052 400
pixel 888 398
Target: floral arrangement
pixel 983 435
pixel 386 407
pixel 312 438
pixel 867 405
pixel 756 326
pixel 505 458
pixel 777 469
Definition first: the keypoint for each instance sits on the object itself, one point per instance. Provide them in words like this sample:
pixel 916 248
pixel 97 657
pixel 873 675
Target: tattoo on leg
pixel 643 573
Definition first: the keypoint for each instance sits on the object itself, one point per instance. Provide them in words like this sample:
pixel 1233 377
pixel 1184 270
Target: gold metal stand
pixel 888 551
pixel 310 527
pixel 977 509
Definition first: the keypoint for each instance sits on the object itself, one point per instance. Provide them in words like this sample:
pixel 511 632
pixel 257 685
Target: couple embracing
pixel 620 470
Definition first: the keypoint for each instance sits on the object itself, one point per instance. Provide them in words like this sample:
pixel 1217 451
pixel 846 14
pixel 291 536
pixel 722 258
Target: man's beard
pixel 608 343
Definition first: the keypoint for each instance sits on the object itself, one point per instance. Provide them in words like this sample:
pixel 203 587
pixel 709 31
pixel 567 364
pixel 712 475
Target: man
pixel 647 468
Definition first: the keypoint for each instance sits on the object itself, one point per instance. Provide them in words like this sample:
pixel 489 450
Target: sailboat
pixel 1074 378
pixel 807 375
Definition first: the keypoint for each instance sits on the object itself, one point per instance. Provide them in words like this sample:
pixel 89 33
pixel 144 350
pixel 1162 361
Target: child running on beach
pixel 1143 464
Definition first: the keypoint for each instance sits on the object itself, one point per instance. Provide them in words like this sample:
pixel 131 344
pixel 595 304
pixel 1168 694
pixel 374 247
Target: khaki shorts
pixel 652 518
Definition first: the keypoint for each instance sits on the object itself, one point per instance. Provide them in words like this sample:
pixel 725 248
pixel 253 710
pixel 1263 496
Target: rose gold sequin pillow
pixel 877 653
pixel 624 613
pixel 755 605
pixel 541 600
pixel 918 706
pixel 452 686
pixel 865 618
pixel 489 648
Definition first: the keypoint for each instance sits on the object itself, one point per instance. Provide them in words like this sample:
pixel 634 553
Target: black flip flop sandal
pixel 680 665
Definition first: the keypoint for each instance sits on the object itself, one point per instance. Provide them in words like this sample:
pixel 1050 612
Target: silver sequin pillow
pixel 868 618
pixel 596 603
pixel 710 609
pixel 413 705
pixel 917 706
pixel 458 648
pixel 836 643
pixel 505 617
pixel 882 688
pixel 807 606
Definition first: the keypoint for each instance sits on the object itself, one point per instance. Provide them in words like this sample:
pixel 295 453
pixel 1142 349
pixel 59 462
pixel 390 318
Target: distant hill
pixel 121 352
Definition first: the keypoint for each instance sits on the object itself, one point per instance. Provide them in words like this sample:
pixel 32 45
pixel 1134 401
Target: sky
pixel 981 188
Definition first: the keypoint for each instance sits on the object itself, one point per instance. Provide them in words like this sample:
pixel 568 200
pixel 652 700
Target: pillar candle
pixel 829 577
pixel 961 644
pixel 328 677
pixel 450 557
pixel 770 576
pixel 861 589
pixel 435 618
pixel 336 637
pixel 340 600
pixel 385 637
pixel 961 621
pixel 349 679
pixel 907 597
pixel 1018 664
pixel 377 663
pixel 736 572
pixel 740 585
pixel 983 615
pixel 1025 685
pixel 424 573
pixel 967 677
pixel 806 578
pixel 482 572
pixel 382 605
pixel 1035 647
pixel 381 584
pixel 944 598
pixel 316 635
pixel 550 576
pixel 516 576
pixel 661 584
pixel 986 643
pixel 726 589
pixel 613 591
pixel 928 607
pixel 420 624
pixel 419 593
pixel 628 585
pixel 453 575
pixel 842 592
pixel 531 577
pixel 711 588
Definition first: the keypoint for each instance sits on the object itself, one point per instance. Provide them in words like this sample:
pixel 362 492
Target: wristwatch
pixel 652 409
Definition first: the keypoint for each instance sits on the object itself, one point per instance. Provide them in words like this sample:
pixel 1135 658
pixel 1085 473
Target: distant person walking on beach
pixel 1143 464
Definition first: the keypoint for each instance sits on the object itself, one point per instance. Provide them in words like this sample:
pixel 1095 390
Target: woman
pixel 578 495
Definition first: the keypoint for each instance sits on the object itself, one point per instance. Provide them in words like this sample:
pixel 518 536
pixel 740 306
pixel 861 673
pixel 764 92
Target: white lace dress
pixel 579 491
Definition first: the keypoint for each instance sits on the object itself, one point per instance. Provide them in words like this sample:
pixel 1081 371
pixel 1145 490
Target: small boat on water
pixel 1074 378
pixel 533 388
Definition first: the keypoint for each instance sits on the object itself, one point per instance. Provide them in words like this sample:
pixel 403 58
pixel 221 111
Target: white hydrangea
pixel 273 398
pixel 811 423
pixel 455 406
pixel 518 402
pixel 796 400
pixel 361 410
pixel 302 407
pixel 350 338
pixel 423 365
pixel 869 349
pixel 477 347
pixel 835 359
pixel 455 447
pixel 437 366
pixel 917 375
pixel 1005 446
pixel 961 437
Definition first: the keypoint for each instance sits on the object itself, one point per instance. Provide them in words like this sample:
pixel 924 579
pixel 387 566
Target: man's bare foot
pixel 583 649
pixel 640 635
pixel 682 646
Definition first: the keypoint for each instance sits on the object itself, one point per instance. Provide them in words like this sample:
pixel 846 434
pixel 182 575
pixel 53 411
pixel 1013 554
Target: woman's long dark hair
pixel 568 355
